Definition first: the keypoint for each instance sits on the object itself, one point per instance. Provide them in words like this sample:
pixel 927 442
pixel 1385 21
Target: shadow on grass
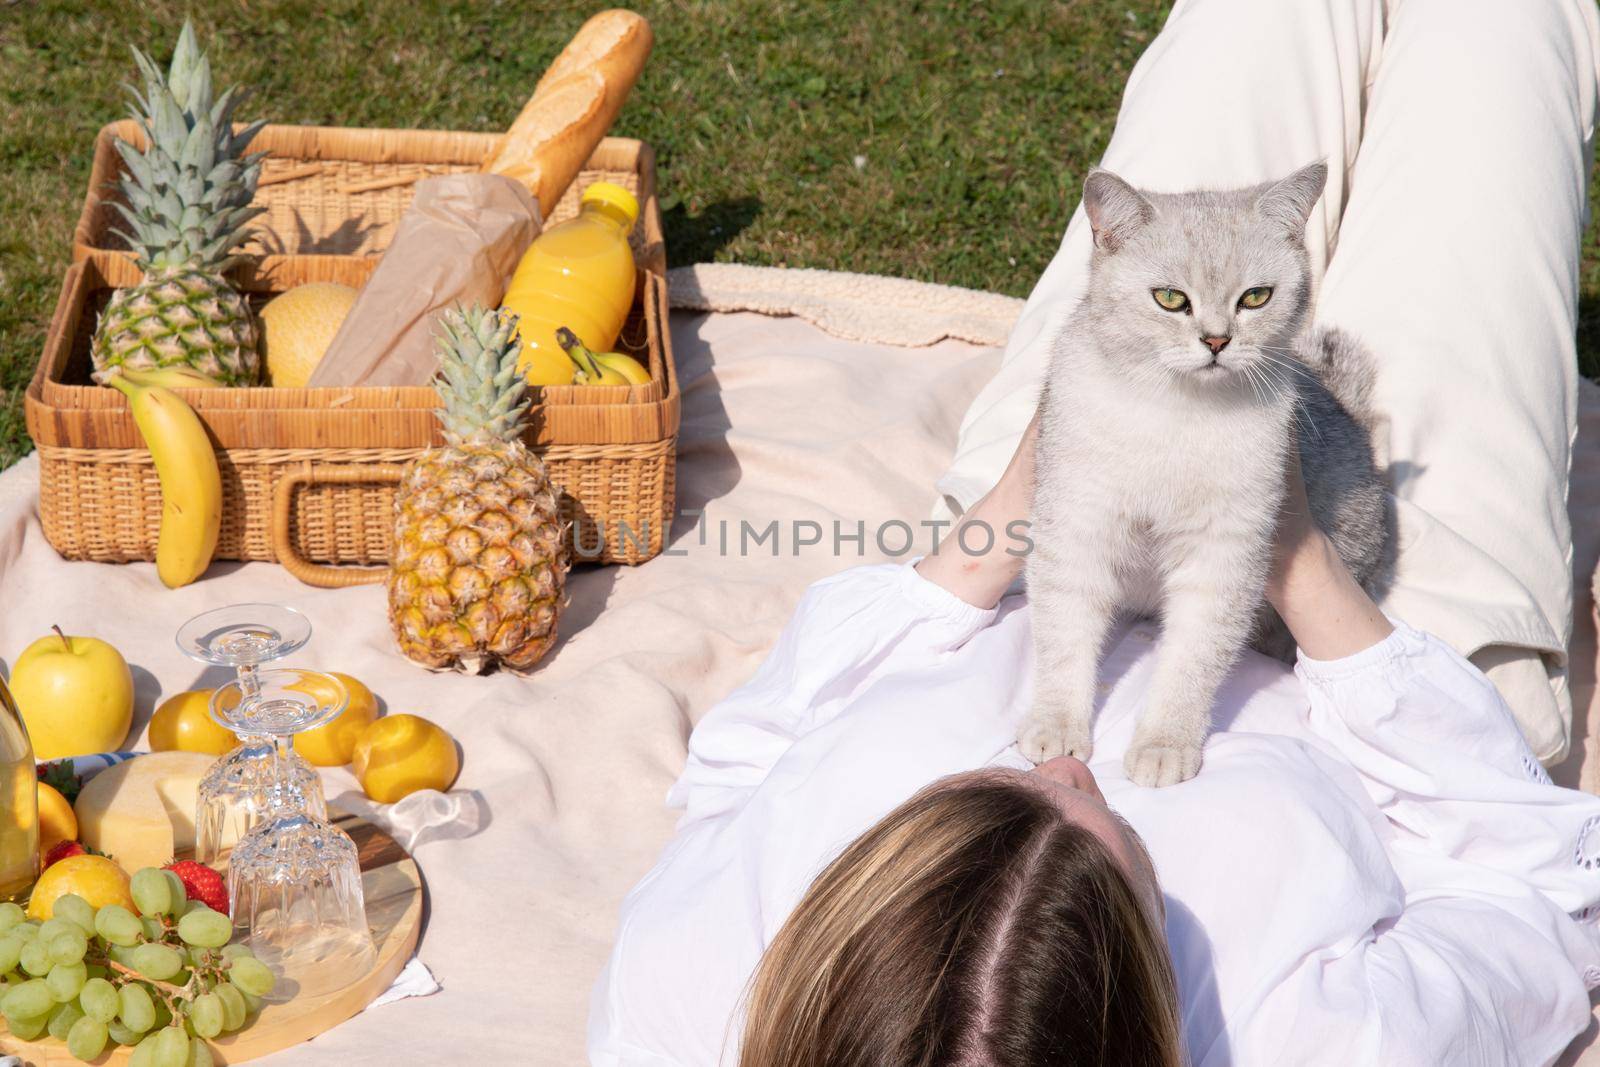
pixel 698 238
pixel 1589 334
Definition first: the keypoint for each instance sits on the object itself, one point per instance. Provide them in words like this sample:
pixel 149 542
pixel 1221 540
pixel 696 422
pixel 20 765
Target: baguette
pixel 574 105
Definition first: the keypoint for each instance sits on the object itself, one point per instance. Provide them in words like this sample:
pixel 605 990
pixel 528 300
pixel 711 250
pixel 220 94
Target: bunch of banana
pixel 604 368
pixel 191 484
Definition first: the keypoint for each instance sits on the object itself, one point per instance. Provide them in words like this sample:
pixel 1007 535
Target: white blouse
pixel 1370 868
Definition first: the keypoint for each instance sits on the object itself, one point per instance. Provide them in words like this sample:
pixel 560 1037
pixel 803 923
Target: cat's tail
pixel 1345 368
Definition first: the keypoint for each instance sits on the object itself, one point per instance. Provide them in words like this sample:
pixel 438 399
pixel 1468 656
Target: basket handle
pixel 322 575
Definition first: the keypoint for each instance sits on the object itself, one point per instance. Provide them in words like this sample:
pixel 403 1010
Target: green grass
pixel 937 140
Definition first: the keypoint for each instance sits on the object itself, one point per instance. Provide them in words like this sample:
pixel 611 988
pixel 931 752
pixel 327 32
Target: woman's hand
pixel 1315 594
pixel 982 578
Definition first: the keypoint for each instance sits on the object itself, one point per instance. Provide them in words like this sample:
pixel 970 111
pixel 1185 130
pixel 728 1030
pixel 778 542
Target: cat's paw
pixel 1161 762
pixel 1046 736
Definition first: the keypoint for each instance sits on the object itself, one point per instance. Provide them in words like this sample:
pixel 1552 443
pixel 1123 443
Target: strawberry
pixel 61 850
pixel 202 883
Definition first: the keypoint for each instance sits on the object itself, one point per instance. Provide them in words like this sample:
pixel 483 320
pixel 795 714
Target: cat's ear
pixel 1115 209
pixel 1290 201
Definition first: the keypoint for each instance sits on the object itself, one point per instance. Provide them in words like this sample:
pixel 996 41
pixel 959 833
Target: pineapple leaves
pixel 483 394
pixel 189 189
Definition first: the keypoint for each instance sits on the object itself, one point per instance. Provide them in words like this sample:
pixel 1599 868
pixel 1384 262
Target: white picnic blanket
pixel 560 796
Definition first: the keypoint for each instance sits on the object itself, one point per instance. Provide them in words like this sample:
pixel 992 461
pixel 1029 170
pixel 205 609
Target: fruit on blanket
pixel 333 743
pixel 298 326
pixel 400 754
pixel 480 555
pixel 75 695
pixel 141 812
pixel 57 823
pixel 191 483
pixel 96 879
pixel 187 203
pixel 183 723
pixel 96 973
pixel 202 883
pixel 603 368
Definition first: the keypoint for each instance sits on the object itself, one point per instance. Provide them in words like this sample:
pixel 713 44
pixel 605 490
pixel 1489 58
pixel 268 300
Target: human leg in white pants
pixel 1457 265
pixel 1229 94
pixel 1184 107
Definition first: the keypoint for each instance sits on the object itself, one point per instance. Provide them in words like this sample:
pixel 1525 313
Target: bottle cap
pixel 614 195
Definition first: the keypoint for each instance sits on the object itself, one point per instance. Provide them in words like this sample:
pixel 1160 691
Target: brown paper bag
pixel 458 243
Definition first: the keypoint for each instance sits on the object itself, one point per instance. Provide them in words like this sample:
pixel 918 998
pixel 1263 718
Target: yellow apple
pixel 332 743
pixel 75 695
pixel 400 754
pixel 183 722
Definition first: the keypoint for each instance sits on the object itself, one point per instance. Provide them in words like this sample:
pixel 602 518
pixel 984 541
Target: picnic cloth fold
pixel 802 453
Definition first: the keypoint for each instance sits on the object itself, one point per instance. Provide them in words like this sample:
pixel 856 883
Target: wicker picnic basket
pixel 309 474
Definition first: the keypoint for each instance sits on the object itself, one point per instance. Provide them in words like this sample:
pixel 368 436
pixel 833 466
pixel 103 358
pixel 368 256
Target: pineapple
pixel 479 557
pixel 188 199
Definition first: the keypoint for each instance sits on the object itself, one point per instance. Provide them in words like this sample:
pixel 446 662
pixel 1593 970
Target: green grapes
pixel 152 893
pixel 65 980
pixel 172 1048
pixel 10 952
pixel 87 1038
pixel 178 893
pixel 161 983
pixel 69 946
pixel 29 1000
pixel 61 1019
pixel 208 1015
pixel 117 925
pixel 122 1035
pixel 233 1006
pixel 205 928
pixel 157 961
pixel 26 1029
pixel 76 910
pixel 251 976
pixel 98 999
pixel 138 1011
pixel 35 958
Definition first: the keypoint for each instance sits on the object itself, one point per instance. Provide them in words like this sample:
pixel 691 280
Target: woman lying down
pixel 1370 866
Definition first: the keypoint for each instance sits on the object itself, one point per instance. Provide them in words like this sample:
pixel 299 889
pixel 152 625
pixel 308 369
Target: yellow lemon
pixel 94 878
pixel 183 723
pixel 57 823
pixel 333 743
pixel 400 754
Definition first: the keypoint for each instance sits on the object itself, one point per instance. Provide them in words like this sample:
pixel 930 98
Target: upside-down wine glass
pixel 241 787
pixel 295 879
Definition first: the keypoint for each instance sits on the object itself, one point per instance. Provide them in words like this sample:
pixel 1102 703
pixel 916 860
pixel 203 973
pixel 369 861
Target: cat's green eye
pixel 1171 299
pixel 1257 297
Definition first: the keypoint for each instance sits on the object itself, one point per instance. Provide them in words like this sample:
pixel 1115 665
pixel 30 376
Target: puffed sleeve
pixel 1477 957
pixel 848 632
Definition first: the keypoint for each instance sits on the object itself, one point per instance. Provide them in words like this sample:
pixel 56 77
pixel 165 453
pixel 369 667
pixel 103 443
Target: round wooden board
pixel 392 888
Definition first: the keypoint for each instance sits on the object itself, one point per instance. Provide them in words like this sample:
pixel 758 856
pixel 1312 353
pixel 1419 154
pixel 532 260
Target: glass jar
pixel 19 804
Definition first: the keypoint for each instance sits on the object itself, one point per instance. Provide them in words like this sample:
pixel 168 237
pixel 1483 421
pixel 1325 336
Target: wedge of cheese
pixel 141 813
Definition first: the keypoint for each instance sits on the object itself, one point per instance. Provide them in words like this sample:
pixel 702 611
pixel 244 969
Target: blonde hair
pixel 973 925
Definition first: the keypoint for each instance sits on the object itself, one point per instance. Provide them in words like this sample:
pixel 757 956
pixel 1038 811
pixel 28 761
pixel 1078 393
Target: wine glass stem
pixel 249 682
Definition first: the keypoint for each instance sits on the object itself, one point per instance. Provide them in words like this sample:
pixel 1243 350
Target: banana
pixel 626 366
pixel 172 378
pixel 191 485
pixel 609 368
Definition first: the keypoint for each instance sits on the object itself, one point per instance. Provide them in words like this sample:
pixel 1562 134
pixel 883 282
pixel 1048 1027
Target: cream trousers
pixel 1458 137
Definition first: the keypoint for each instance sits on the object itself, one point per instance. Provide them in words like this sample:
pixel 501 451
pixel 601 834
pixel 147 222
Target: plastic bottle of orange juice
pixel 580 275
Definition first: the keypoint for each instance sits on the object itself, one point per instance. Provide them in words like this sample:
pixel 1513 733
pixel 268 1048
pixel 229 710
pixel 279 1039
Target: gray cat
pixel 1168 407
